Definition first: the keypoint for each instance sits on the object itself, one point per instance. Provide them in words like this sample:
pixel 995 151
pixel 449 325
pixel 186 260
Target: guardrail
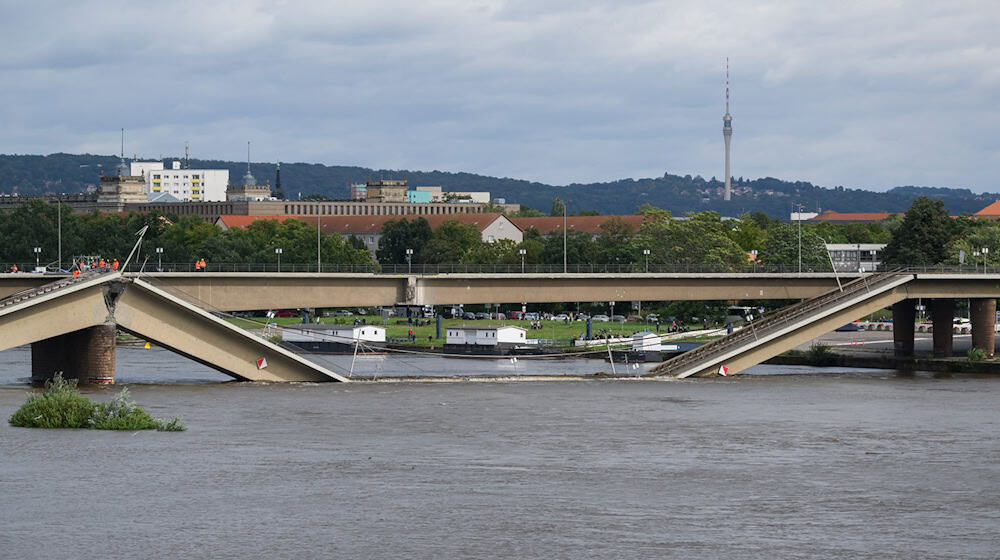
pixel 458 268
pixel 778 320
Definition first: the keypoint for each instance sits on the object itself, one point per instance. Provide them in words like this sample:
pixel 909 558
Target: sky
pixel 869 94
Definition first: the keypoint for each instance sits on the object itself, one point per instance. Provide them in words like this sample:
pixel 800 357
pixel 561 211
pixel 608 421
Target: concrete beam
pixel 741 360
pixel 52 314
pixel 156 315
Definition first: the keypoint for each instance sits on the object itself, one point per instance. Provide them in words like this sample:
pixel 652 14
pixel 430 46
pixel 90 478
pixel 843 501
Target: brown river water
pixel 786 463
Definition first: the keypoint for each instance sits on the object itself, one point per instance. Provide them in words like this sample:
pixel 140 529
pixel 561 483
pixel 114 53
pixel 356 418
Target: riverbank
pixel 877 361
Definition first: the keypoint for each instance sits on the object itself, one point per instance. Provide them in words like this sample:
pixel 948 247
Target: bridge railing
pixel 776 321
pixel 458 268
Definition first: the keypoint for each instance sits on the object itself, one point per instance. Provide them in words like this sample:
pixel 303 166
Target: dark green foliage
pixel 976 354
pixel 782 248
pixel 70 173
pixel 923 236
pixel 60 405
pixel 400 235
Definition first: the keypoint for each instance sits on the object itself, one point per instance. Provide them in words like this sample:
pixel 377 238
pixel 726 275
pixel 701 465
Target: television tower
pixel 727 133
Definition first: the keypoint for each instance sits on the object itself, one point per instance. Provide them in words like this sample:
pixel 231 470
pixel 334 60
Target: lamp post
pixel 798 219
pixel 409 261
pixel 159 259
pixel 38 252
pixel 522 251
pixel 565 260
pixel 975 262
pixel 59 242
pixel 986 251
pixel 278 251
pixel 645 253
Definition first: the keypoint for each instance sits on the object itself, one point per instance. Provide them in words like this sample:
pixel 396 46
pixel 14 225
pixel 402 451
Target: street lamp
pixel 409 261
pixel 159 259
pixel 986 251
pixel 278 252
pixel 522 251
pixel 645 253
pixel 975 262
pixel 38 251
pixel 798 219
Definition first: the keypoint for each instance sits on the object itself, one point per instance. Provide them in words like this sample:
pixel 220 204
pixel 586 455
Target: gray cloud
pixel 854 93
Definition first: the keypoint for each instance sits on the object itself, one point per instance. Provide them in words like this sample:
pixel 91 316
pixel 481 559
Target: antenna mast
pixel 187 163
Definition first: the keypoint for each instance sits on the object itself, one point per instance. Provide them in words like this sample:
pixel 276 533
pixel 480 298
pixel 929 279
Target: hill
pixel 70 173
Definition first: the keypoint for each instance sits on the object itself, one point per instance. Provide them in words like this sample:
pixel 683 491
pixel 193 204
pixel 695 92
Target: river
pixel 788 463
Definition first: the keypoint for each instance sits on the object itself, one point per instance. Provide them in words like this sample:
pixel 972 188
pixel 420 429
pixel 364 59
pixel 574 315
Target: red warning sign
pixel 261 363
pixel 723 371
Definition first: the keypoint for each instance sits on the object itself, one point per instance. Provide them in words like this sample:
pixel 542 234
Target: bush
pixel 976 354
pixel 61 405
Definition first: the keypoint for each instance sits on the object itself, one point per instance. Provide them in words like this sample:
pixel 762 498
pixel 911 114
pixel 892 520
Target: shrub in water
pixel 59 405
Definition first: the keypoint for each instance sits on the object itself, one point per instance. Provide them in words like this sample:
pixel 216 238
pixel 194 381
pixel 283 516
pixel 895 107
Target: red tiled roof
pixel 834 216
pixel 346 225
pixel 590 224
pixel 991 210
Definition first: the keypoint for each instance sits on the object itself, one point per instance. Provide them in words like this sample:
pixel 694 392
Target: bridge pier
pixel 904 313
pixel 983 312
pixel 87 355
pixel 943 315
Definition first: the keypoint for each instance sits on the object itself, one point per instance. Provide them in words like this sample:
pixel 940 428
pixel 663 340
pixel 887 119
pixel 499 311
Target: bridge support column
pixel 942 314
pixel 983 312
pixel 904 313
pixel 87 355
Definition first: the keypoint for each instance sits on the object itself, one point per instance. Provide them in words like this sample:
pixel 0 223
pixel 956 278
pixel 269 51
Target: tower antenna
pixel 727 134
pixel 187 162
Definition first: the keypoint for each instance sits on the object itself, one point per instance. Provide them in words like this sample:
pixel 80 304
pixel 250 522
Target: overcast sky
pixel 856 93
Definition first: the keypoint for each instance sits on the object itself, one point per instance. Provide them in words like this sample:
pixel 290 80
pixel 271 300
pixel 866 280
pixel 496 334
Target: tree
pixel 580 248
pixel 702 239
pixel 527 212
pixel 614 246
pixel 558 207
pixel 923 237
pixel 449 243
pixel 400 235
pixel 782 248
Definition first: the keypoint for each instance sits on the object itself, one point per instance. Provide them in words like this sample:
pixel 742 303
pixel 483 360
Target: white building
pixel 344 334
pixel 485 336
pixel 197 185
pixel 855 257
pixel 646 341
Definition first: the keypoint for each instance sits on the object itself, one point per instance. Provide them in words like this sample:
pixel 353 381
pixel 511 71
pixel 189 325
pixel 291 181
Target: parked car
pixel 344 313
pixel 531 316
pixel 469 316
pixel 618 318
pixel 286 314
pixel 582 316
pixel 481 315
pixel 600 319
pixel 652 318
pixel 561 317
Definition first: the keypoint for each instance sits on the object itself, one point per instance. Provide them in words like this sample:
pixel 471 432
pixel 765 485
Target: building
pixel 855 257
pixel 420 197
pixel 548 225
pixel 483 340
pixel 435 193
pixel 848 217
pixel 118 190
pixel 195 185
pixel 386 191
pixel 241 193
pixel 368 229
pixel 331 339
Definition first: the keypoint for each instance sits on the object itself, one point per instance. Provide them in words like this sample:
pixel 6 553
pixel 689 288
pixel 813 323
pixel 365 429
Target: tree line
pixel 925 235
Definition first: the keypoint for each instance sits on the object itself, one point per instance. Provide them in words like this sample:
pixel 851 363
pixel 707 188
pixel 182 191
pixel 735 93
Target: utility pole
pixel 565 267
pixel 319 263
pixel 798 219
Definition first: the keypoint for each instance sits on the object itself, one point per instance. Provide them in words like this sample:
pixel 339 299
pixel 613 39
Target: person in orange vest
pixel 114 265
pixel 76 272
pixel 13 268
pixel 202 264
pixel 197 266
pixel 102 265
